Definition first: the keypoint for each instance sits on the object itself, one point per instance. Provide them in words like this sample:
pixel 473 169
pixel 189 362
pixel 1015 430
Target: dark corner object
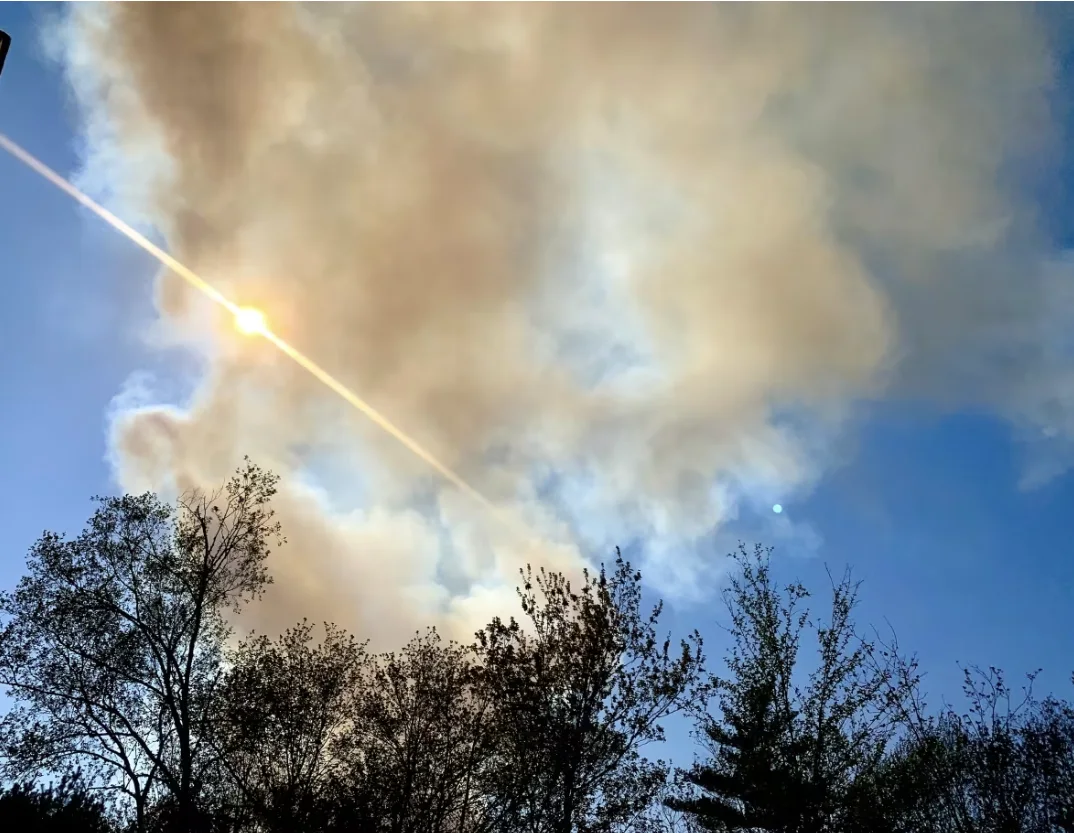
pixel 5 43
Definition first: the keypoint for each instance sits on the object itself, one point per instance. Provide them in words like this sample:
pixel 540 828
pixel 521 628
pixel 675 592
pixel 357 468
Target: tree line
pixel 126 683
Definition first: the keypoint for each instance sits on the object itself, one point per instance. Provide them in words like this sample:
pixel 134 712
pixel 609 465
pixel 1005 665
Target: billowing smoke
pixel 628 269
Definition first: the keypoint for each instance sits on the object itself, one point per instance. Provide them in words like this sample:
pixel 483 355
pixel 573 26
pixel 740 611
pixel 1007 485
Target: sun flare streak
pixel 249 321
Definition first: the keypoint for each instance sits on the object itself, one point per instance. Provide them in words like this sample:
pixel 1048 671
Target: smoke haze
pixel 628 269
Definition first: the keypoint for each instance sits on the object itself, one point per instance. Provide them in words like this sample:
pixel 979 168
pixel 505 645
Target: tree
pixel 785 757
pixel 5 45
pixel 66 807
pixel 112 644
pixel 906 791
pixel 285 707
pixel 421 738
pixel 1003 765
pixel 580 688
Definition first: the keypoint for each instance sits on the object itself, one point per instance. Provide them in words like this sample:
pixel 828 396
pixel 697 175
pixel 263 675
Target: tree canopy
pixel 120 654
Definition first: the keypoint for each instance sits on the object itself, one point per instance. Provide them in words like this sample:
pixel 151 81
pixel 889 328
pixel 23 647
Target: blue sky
pixel 926 505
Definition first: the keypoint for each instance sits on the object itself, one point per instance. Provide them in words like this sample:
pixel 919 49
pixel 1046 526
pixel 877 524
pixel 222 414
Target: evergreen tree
pixel 784 757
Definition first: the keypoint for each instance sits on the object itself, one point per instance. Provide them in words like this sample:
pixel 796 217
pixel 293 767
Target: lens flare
pixel 250 321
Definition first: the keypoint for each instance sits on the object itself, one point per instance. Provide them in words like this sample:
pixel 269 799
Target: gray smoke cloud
pixel 628 269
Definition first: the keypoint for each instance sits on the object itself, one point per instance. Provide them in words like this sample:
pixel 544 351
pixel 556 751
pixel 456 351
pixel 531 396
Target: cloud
pixel 626 268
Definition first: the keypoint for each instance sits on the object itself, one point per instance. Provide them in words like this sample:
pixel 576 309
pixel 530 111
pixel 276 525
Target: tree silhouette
pixel 421 738
pixel 283 709
pixel 113 641
pixel 1005 764
pixel 580 688
pixel 786 757
pixel 117 653
pixel 66 807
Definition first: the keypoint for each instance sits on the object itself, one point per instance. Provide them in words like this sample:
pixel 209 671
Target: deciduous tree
pixel 112 644
pixel 581 686
pixel 285 707
pixel 422 739
pixel 64 807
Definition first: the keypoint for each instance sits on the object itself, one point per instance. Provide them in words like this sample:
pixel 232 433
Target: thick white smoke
pixel 626 268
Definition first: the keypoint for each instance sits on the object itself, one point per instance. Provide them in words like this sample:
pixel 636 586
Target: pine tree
pixel 785 758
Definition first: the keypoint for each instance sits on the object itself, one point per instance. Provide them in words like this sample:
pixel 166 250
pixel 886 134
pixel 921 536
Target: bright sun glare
pixel 250 321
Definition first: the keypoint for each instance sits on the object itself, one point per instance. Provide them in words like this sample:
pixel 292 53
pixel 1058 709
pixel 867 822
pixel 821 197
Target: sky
pixel 900 387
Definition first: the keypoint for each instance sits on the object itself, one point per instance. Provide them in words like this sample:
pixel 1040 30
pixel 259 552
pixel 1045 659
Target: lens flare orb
pixel 250 321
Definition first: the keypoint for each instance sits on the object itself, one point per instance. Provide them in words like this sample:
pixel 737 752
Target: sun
pixel 250 321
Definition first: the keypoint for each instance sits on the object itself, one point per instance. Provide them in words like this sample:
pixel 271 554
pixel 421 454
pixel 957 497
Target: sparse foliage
pixel 788 755
pixel 285 707
pixel 117 653
pixel 422 739
pixel 1004 764
pixel 112 643
pixel 581 688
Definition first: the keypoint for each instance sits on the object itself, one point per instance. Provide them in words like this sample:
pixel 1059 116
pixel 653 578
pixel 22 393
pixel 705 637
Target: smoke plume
pixel 628 269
